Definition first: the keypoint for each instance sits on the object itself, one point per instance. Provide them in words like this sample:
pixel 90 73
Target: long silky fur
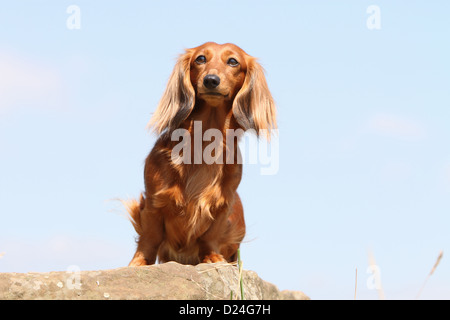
pixel 194 193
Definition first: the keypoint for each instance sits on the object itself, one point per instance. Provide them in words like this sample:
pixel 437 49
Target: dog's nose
pixel 211 81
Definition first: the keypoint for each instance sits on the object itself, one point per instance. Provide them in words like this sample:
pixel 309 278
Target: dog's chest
pixel 204 197
pixel 203 183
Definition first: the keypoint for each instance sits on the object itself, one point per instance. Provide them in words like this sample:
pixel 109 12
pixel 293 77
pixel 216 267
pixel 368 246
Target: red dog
pixel 190 212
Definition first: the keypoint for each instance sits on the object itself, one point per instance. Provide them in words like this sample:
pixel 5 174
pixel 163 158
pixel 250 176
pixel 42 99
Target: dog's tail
pixel 134 209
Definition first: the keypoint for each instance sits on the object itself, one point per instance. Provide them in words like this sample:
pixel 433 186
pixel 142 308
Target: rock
pixel 162 281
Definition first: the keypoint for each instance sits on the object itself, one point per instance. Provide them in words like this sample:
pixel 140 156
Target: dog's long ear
pixel 253 106
pixel 178 100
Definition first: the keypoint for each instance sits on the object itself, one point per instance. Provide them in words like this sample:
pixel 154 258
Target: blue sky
pixel 363 121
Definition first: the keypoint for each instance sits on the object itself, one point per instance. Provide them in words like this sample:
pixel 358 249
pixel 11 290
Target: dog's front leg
pixel 210 241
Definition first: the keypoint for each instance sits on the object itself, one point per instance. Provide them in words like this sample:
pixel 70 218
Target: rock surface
pixel 163 281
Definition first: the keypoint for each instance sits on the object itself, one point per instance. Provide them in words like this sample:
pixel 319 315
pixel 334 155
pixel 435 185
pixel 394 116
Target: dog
pixel 190 212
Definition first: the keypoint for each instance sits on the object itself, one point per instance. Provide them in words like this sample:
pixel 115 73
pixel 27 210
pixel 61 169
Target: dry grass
pixel 441 254
pixel 377 280
pixel 241 284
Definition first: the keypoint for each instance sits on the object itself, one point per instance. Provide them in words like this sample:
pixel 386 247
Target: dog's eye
pixel 232 62
pixel 200 60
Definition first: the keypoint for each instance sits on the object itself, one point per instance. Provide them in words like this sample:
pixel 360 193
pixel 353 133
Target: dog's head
pixel 218 75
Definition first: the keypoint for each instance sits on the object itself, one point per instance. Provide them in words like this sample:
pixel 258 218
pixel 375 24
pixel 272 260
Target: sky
pixel 362 189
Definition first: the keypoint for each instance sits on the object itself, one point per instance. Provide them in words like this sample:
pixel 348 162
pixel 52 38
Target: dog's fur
pixel 191 213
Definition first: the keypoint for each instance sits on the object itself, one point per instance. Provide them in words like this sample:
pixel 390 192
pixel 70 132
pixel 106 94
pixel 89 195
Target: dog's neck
pixel 217 116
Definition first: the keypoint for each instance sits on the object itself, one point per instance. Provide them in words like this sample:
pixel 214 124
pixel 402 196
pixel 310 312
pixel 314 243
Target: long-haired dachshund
pixel 190 211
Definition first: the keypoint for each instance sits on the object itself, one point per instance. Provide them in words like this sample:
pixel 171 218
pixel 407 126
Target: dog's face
pixel 217 72
pixel 216 75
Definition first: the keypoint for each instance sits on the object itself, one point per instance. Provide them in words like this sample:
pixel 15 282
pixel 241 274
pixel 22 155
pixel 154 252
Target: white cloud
pixel 27 82
pixel 396 126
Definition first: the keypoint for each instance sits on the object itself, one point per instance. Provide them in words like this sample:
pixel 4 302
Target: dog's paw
pixel 213 258
pixel 137 261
